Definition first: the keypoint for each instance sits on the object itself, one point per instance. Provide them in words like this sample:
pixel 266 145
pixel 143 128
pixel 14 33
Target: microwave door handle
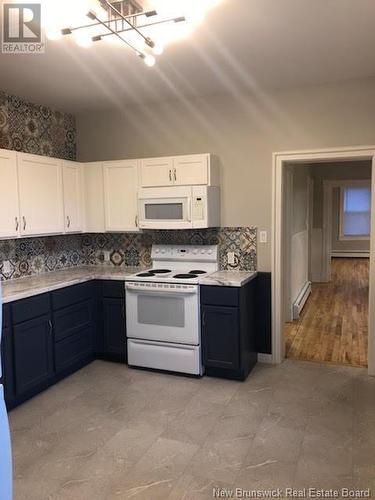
pixel 189 202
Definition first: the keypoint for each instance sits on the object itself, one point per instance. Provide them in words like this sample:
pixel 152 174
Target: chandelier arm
pixel 113 32
pixel 124 18
pixel 155 23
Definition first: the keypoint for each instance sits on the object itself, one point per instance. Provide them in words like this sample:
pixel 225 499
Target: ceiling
pixel 241 44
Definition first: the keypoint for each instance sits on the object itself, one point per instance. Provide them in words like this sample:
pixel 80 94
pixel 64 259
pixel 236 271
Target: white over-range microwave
pixel 189 207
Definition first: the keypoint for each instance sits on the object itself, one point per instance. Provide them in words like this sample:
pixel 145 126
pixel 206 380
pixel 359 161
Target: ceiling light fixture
pixel 123 17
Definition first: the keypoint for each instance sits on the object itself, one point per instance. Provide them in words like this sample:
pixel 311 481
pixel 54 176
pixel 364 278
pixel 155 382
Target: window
pixel 355 212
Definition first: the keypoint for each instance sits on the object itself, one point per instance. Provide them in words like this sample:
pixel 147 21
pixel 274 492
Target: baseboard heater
pixel 360 255
pixel 301 299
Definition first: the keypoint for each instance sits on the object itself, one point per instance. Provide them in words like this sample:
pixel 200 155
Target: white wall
pixel 300 231
pixel 244 130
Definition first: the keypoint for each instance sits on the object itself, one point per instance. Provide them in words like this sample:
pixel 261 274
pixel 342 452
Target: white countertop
pixel 22 288
pixel 228 278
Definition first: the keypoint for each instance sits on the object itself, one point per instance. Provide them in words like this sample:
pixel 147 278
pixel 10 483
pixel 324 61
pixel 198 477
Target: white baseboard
pixel 365 255
pixel 301 299
pixel 265 358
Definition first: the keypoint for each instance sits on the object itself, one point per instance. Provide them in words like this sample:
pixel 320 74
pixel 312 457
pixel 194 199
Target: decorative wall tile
pixel 39 255
pixel 36 129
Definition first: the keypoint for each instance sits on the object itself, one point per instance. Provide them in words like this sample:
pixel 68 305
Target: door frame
pixel 280 161
pixel 288 195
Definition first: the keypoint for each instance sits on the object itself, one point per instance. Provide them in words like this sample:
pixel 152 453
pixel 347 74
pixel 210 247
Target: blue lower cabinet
pixel 74 350
pixel 74 327
pixel 228 330
pixel 114 346
pixel 7 359
pixel 114 327
pixel 49 336
pixel 220 338
pixel 33 355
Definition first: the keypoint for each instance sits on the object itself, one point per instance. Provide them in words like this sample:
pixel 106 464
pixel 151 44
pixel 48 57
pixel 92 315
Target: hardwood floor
pixel 333 323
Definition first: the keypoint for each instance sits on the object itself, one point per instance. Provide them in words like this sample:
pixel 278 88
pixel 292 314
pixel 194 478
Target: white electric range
pixel 163 310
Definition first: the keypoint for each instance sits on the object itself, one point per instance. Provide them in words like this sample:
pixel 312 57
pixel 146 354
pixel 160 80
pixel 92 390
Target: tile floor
pixel 109 432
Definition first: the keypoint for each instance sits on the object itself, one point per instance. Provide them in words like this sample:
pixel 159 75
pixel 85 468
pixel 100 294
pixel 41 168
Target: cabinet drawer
pixel 26 309
pixel 114 289
pixel 72 319
pixel 220 296
pixel 74 349
pixel 72 295
pixel 6 316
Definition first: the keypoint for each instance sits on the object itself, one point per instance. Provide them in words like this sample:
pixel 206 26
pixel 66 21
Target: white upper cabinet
pixel 72 184
pixel 9 205
pixel 94 197
pixel 190 170
pixel 120 194
pixel 41 195
pixel 156 172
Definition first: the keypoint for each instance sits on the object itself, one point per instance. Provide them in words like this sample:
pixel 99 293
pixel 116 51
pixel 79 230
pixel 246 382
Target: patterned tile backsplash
pixel 36 129
pixel 26 257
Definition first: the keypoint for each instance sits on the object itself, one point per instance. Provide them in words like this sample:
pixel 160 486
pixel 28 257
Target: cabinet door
pixel 94 197
pixel 7 364
pixel 9 205
pixel 220 337
pixel 72 184
pixel 74 349
pixel 41 195
pixel 33 358
pixel 120 193
pixel 190 170
pixel 156 172
pixel 114 327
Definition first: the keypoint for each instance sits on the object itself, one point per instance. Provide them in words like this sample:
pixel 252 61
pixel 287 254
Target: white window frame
pixel 343 186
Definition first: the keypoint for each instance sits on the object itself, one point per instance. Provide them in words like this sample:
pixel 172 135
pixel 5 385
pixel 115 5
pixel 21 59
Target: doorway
pixel 283 161
pixel 326 285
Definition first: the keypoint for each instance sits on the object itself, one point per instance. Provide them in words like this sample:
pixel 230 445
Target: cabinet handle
pixel 204 318
pixel 50 327
pixel 24 222
pixel 170 175
pixel 17 223
pixel 68 221
pixel 123 311
pixel 175 174
pixel 136 221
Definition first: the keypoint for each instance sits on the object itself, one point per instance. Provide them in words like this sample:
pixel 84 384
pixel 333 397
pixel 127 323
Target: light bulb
pixel 158 49
pixel 149 60
pixel 53 33
pixel 82 39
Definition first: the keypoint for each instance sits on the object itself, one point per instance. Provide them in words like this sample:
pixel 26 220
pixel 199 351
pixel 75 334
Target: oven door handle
pixel 160 291
pixel 164 345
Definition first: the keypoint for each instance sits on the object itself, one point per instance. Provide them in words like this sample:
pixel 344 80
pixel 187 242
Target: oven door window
pixel 164 211
pixel 161 310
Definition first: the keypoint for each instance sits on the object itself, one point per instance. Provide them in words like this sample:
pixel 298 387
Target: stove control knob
pixel 163 250
pixel 209 252
pixel 157 250
pixel 195 251
pixel 203 251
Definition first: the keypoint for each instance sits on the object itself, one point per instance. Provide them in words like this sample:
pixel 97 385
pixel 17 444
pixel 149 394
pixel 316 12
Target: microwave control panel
pixel 198 208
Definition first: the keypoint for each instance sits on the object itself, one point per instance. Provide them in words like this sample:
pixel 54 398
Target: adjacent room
pixel 187 249
pixel 328 239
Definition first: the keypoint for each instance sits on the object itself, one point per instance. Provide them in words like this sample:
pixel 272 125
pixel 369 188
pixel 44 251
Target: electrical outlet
pixel 263 237
pixel 6 267
pixel 107 255
pixel 231 258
